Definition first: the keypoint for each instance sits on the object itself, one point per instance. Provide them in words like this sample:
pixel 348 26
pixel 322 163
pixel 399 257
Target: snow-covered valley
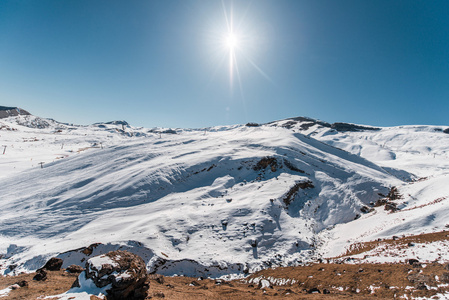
pixel 217 201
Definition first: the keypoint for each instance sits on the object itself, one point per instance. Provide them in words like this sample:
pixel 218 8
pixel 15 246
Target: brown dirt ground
pixel 343 281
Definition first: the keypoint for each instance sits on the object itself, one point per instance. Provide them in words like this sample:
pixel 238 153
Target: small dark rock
pixel 380 202
pixel 395 238
pixel 366 209
pixel 421 286
pixel 391 206
pixel 326 291
pixel 194 283
pixel 22 283
pixel 314 291
pixel 413 262
pixel 54 264
pixel 41 275
pixel 12 267
pixel 88 250
pixel 74 269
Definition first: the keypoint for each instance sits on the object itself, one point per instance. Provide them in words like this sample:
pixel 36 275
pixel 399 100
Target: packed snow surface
pixel 217 201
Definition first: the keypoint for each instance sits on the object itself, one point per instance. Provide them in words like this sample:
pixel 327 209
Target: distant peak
pixel 6 112
pixel 304 123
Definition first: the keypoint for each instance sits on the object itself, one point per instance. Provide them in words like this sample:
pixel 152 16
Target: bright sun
pixel 231 41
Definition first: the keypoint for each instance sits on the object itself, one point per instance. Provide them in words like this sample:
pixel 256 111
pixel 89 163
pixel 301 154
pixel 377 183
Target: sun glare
pixel 231 41
pixel 236 41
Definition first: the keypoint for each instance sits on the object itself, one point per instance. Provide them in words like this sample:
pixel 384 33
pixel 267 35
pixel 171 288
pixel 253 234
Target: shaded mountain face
pixel 6 112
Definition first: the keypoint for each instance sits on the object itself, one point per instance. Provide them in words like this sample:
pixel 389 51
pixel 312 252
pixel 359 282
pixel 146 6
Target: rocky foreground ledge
pixel 123 275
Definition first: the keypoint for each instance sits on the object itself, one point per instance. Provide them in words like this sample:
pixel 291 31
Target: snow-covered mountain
pixel 214 201
pixel 6 112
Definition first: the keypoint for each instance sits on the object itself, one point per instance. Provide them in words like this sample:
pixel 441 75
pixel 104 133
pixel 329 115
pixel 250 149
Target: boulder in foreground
pixel 123 271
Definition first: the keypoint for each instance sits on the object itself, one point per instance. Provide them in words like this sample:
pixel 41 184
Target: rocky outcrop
pixel 123 271
pixel 74 269
pixel 54 264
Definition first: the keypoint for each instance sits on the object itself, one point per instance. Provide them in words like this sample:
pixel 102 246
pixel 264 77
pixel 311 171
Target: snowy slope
pixel 224 200
pixel 419 155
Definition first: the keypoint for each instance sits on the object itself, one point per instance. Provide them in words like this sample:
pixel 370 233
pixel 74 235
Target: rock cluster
pixel 123 271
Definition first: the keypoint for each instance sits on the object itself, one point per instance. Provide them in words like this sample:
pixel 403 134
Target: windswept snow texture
pixel 212 202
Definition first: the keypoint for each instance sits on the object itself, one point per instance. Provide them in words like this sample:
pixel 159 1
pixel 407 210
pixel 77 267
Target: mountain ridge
pixel 274 194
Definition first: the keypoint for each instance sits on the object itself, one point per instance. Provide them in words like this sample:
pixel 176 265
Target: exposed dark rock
pixel 380 202
pixel 421 286
pixel 41 275
pixel 266 162
pixel 305 126
pixel 74 269
pixel 293 190
pixel 54 264
pixel 314 291
pixel 169 131
pixel 194 283
pixel 391 206
pixel 125 271
pixel 413 261
pixel 366 209
pixel 88 250
pixel 393 194
pixel 351 127
pixel 120 122
pixel 292 167
pixel 446 130
pixel 326 291
pixel 252 124
pixel 22 283
pixel 6 112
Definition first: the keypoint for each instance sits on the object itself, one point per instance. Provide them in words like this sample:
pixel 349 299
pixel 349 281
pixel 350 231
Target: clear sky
pixel 167 63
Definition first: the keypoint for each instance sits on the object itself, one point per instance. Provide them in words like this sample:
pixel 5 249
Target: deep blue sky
pixel 162 63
